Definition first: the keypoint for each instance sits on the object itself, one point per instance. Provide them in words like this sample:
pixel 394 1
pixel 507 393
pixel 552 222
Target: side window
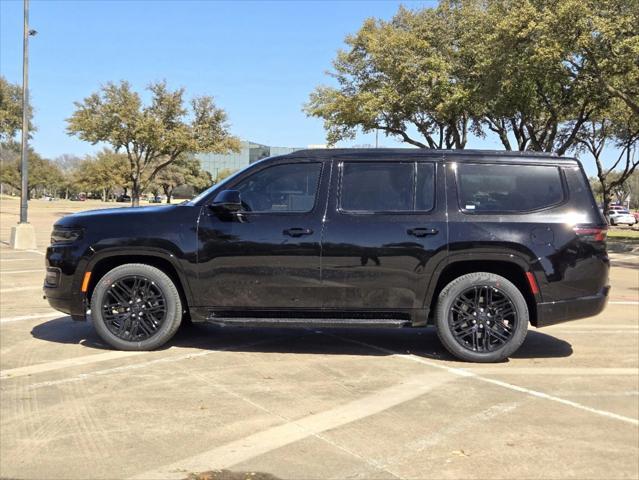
pixel 507 188
pixel 289 187
pixel 377 186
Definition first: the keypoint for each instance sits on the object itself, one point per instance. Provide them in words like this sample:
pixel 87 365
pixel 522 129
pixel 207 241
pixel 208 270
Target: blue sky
pixel 260 60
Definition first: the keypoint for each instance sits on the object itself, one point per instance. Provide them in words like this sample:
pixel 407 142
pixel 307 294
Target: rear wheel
pixel 136 307
pixel 481 317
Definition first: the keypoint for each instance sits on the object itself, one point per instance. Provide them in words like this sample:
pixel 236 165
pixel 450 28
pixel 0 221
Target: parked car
pixel 155 199
pixel 78 198
pixel 123 198
pixel 479 244
pixel 618 215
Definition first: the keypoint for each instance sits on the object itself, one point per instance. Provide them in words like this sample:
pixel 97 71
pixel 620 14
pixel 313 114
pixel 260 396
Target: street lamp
pixel 23 234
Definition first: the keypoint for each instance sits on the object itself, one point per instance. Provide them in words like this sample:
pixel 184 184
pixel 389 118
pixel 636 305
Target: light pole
pixel 23 234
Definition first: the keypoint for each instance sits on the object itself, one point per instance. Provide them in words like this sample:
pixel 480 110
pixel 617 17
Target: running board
pixel 309 322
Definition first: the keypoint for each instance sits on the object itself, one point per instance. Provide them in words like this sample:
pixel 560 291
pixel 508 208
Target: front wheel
pixel 481 317
pixel 136 307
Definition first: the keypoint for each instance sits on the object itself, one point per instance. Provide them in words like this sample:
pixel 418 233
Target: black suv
pixel 476 243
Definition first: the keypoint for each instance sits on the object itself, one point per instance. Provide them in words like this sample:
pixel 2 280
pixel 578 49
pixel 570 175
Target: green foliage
pixel 11 110
pixel 102 173
pixel 44 175
pixel 224 173
pixel 186 170
pixel 532 71
pixel 397 76
pixel 155 135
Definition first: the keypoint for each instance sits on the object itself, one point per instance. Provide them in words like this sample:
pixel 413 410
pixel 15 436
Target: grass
pixel 623 234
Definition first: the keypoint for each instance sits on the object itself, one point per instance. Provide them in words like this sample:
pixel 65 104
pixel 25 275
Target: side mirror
pixel 228 201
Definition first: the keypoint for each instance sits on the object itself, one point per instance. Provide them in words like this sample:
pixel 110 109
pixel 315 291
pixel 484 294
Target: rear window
pixel 508 188
pixel 387 186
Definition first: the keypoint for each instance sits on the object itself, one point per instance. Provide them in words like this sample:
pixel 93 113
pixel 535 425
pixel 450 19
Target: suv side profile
pixel 477 243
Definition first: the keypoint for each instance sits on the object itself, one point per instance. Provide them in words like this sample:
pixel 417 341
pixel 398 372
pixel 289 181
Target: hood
pixel 114 214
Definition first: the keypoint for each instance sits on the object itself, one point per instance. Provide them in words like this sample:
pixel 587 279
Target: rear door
pixel 385 231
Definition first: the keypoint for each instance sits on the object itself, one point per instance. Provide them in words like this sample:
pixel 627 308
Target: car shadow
pixel 422 342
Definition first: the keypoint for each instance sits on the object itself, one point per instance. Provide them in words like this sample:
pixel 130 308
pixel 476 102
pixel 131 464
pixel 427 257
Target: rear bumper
pixel 551 313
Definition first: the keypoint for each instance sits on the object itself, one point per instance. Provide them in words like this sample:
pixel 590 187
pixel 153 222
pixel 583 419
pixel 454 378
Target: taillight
pixel 592 234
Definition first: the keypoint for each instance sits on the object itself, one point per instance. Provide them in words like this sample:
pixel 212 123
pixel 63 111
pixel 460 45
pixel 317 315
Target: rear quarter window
pixel 488 188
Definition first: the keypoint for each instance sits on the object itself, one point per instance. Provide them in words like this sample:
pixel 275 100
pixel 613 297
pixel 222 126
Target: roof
pixel 458 155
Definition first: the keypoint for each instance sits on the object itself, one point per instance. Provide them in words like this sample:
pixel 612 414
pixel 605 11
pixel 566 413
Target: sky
pixel 258 59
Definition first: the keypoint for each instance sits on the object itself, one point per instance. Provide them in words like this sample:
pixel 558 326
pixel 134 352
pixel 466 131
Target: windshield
pixel 206 192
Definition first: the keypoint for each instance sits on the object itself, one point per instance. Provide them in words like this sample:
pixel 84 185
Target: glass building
pixel 249 152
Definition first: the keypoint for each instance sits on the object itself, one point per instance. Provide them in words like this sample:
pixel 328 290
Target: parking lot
pixel 309 403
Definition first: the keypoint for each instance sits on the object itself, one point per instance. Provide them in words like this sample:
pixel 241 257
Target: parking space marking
pixel 19 289
pixel 555 371
pixel 468 373
pixel 16 272
pixel 84 376
pixel 3 260
pixel 279 436
pixel 577 326
pixel 66 363
pixel 623 303
pixel 51 314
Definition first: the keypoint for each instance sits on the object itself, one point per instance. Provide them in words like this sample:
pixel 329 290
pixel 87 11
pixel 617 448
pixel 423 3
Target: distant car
pixel 123 198
pixel 619 215
pixel 78 198
pixel 157 199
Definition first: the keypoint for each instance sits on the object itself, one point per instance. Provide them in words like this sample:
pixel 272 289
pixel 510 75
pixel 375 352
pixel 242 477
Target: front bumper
pixel 550 313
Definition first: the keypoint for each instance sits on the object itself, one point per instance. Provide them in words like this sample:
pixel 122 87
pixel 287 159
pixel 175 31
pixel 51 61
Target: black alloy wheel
pixel 134 308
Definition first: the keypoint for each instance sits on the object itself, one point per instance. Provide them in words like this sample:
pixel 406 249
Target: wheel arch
pixel 513 268
pixel 103 262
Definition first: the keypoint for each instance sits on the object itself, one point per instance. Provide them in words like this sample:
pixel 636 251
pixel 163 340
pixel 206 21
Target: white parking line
pixel 623 303
pixel 35 316
pixel 468 373
pixel 19 289
pixel 272 438
pixel 4 260
pixel 3 272
pixel 188 356
pixel 555 371
pixel 69 362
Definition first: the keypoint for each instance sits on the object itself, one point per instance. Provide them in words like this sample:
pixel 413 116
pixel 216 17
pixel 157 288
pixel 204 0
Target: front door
pixel 384 233
pixel 266 256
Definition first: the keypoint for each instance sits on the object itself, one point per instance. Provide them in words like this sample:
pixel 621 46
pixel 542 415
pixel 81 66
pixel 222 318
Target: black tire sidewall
pixel 171 297
pixel 455 288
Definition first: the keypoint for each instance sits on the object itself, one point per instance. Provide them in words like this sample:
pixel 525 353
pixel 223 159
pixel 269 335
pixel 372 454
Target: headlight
pixel 65 235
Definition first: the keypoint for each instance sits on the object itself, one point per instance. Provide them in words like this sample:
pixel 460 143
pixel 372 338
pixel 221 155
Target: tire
pixel 455 316
pixel 154 308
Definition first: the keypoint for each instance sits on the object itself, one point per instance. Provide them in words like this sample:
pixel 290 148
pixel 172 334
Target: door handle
pixel 422 232
pixel 297 232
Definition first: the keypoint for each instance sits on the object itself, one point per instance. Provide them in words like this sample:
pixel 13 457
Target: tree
pixel 222 174
pixel 619 126
pixel 533 72
pixel 398 77
pixel 44 175
pixel 11 110
pixel 103 173
pixel 155 135
pixel 186 170
pixel 68 165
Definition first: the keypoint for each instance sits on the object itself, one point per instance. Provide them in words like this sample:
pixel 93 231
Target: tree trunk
pixel 607 198
pixel 135 194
